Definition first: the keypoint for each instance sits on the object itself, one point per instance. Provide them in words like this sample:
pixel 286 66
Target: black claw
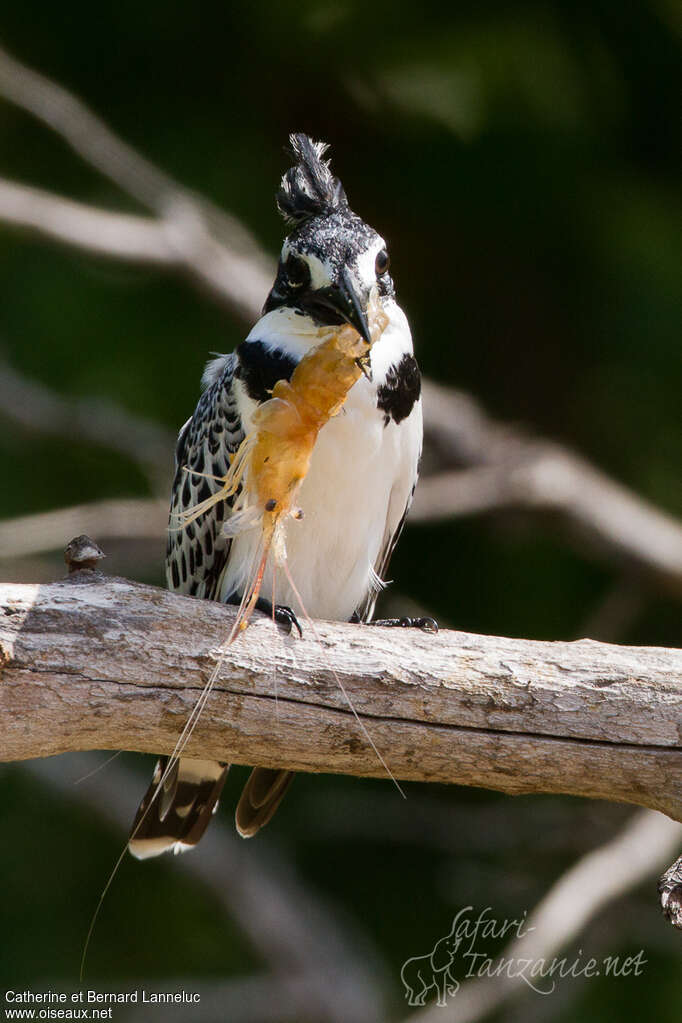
pixel 426 624
pixel 283 615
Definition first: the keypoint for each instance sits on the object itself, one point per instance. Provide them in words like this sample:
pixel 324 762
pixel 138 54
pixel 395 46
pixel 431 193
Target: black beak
pixel 339 303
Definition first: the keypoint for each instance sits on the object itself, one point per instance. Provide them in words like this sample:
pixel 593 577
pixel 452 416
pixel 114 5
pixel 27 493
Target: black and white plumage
pixel 362 475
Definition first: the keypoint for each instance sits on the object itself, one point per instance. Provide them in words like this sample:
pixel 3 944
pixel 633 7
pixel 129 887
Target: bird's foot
pixel 282 614
pixel 425 624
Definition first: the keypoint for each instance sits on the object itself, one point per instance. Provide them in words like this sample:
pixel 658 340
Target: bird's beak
pixel 351 308
pixel 342 300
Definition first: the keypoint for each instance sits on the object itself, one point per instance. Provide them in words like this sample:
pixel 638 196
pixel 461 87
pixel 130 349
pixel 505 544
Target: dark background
pixel 522 160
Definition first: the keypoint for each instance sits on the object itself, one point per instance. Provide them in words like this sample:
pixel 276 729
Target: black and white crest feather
pixel 309 188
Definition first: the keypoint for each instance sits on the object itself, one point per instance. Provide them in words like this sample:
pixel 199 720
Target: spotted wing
pixel 174 815
pixel 197 553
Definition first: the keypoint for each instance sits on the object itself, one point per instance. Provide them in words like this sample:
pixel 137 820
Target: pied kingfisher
pixel 362 474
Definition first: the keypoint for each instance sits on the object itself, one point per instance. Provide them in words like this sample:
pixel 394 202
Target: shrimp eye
pixel 381 263
pixel 297 272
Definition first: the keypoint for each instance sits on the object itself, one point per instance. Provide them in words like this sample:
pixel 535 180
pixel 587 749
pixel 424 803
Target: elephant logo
pixel 422 973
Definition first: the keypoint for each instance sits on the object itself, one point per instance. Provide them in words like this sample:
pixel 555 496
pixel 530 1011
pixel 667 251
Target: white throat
pixel 290 332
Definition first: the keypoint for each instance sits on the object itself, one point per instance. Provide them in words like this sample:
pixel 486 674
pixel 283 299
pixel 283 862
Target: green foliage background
pixel 523 161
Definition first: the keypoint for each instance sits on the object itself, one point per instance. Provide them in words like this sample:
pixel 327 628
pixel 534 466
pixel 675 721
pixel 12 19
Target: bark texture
pixel 102 663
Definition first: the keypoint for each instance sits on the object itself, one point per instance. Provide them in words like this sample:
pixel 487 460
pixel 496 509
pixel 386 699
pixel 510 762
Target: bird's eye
pixel 382 263
pixel 297 272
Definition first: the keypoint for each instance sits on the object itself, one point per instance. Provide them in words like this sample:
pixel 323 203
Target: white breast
pixel 360 480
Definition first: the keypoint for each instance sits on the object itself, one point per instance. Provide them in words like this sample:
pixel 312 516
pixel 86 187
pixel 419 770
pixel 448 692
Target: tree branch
pixel 126 518
pixel 97 231
pixel 92 662
pixel 92 420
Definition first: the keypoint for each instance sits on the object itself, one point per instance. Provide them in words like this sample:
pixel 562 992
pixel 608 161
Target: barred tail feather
pixel 182 810
pixel 262 794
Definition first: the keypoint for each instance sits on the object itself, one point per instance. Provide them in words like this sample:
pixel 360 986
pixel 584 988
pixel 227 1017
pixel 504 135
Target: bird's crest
pixel 309 188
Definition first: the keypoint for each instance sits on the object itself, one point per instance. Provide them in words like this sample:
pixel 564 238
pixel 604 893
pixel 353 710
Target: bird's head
pixel 331 259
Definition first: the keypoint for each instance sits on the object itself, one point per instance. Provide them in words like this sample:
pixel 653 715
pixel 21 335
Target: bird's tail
pixel 262 795
pixel 176 817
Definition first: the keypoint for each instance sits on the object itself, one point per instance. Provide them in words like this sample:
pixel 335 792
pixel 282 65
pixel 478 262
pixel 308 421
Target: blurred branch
pixel 513 470
pixel 45 531
pixel 95 420
pixel 217 249
pixel 92 662
pixel 616 612
pixel 311 954
pixel 100 232
pixel 262 998
pixel 595 880
pixel 86 133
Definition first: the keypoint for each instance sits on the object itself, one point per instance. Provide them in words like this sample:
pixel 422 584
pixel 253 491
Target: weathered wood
pixel 99 663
